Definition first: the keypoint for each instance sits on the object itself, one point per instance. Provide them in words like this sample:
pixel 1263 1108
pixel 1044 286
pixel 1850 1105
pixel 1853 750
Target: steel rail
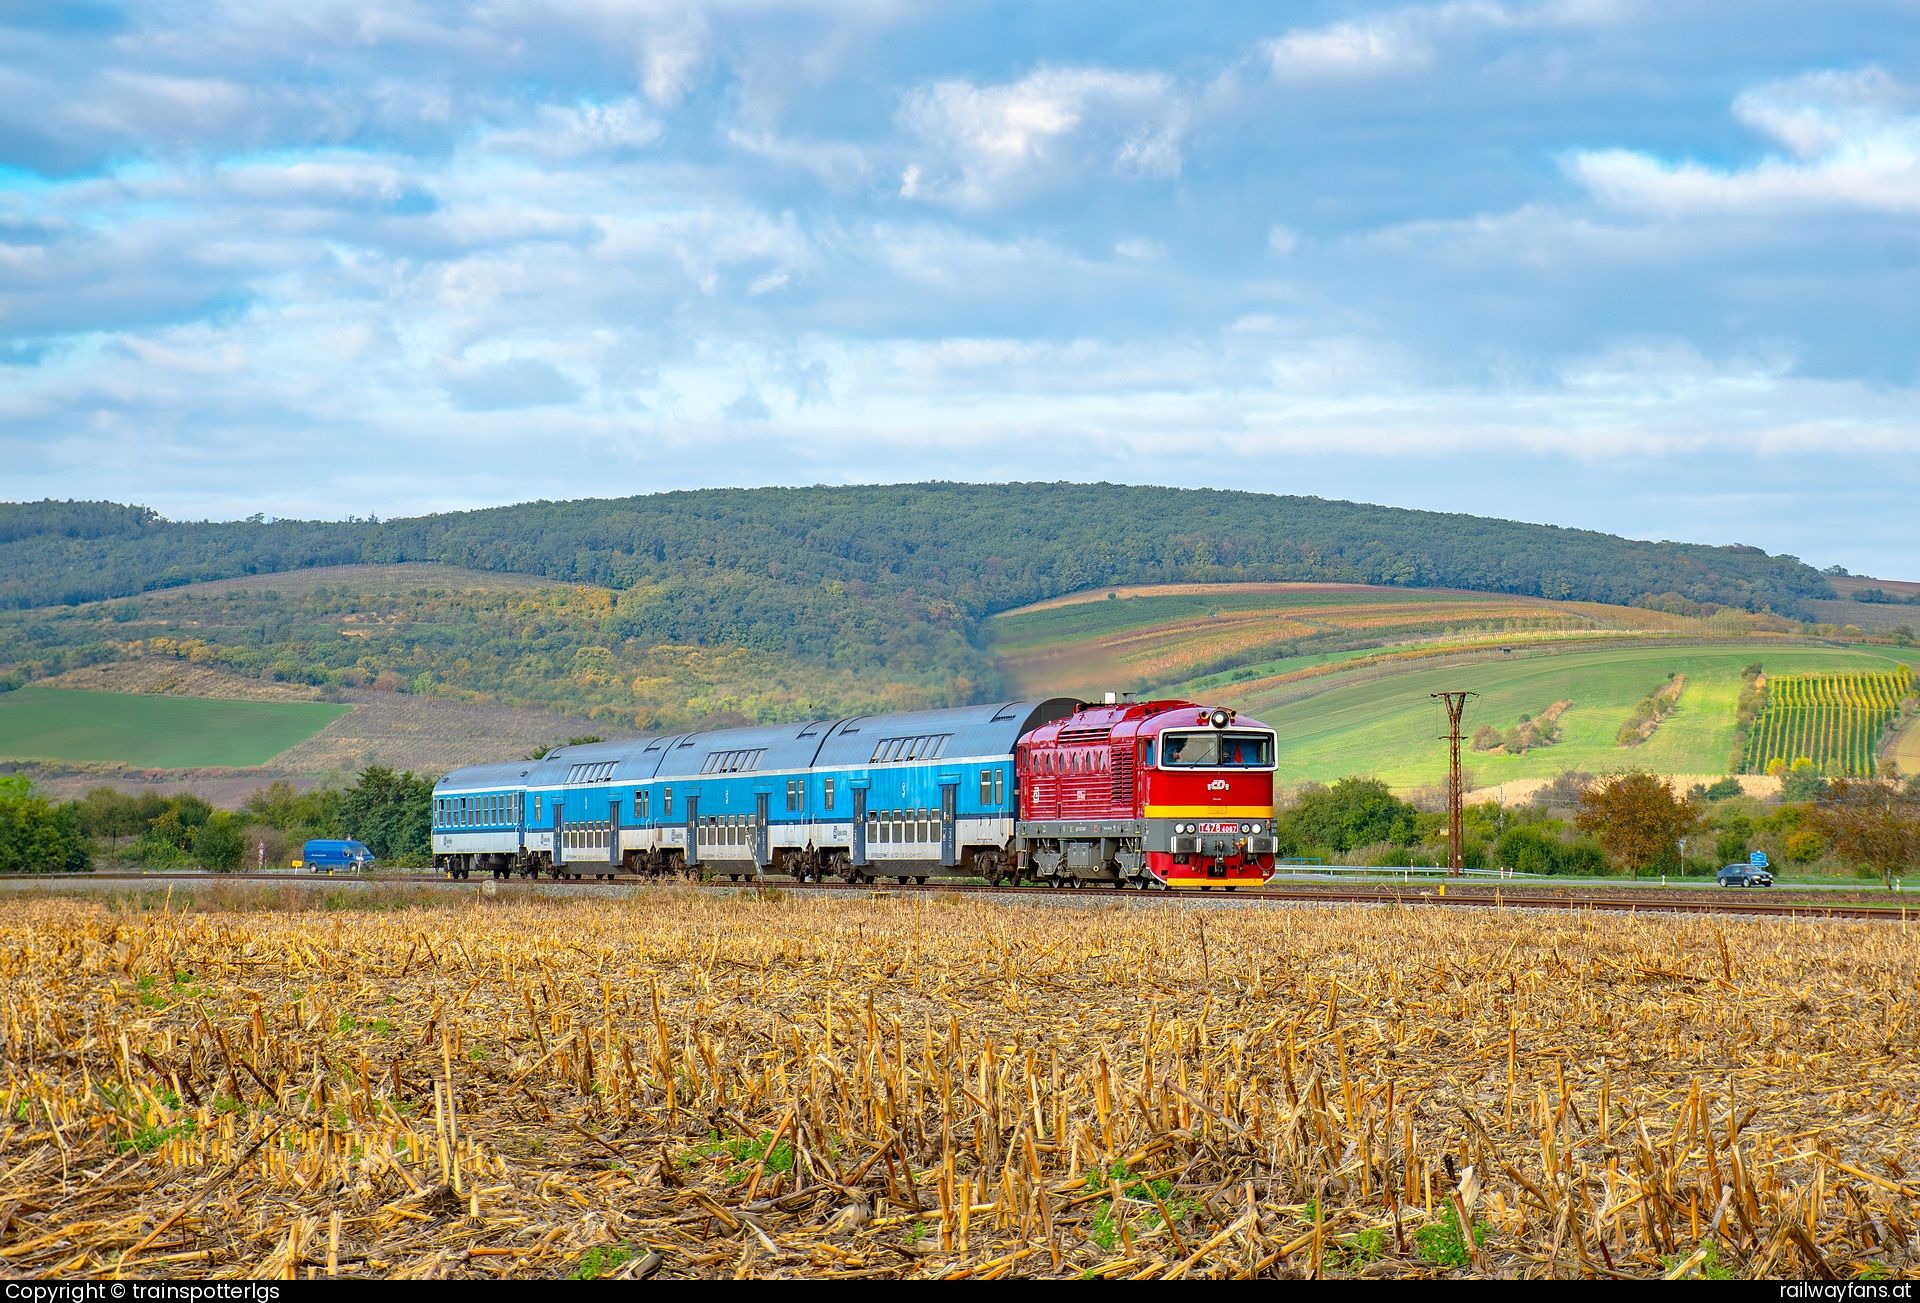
pixel 1480 896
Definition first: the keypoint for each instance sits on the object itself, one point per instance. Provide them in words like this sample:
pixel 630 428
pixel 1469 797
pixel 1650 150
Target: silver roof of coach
pixel 829 744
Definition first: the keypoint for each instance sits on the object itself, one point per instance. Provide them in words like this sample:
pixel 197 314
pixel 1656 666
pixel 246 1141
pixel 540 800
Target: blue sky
pixel 1648 268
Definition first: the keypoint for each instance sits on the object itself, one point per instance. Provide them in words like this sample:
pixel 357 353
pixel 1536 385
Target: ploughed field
pixel 698 1085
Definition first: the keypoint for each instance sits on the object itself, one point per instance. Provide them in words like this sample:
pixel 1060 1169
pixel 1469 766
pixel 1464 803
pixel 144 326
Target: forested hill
pixel 833 599
pixel 975 548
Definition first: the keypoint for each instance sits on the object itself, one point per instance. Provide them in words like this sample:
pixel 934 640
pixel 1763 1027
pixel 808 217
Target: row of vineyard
pixel 1834 720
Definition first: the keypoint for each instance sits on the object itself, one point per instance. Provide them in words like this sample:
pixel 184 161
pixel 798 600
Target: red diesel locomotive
pixel 1147 794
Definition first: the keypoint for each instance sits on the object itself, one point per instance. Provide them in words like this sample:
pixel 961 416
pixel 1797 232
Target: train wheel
pixel 921 881
pixel 1234 888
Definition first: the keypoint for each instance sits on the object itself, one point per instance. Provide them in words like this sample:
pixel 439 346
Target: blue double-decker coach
pixel 907 797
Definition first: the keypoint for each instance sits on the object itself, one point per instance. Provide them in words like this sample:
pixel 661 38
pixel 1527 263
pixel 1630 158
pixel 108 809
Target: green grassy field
pixel 152 732
pixel 1387 727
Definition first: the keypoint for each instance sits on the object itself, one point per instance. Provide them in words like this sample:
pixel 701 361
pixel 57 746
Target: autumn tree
pixel 1637 818
pixel 1876 825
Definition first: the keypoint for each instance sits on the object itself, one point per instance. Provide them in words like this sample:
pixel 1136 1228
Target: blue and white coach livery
pixel 908 797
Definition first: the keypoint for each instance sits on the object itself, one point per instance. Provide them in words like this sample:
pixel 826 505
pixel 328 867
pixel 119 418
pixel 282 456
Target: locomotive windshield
pixel 1217 750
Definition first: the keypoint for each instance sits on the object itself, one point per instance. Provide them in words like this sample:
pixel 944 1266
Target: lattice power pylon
pixel 1456 706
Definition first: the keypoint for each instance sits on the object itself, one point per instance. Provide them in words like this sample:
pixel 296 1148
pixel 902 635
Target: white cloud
pixel 1416 35
pixel 1342 48
pixel 1850 145
pixel 999 137
pixel 672 60
pixel 1816 113
pixel 564 134
pixel 1140 249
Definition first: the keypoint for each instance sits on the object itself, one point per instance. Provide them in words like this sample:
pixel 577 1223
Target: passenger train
pixel 1141 794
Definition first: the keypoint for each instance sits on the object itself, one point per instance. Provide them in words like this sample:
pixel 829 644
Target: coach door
pixel 693 826
pixel 613 832
pixel 559 833
pixel 949 810
pixel 760 856
pixel 860 825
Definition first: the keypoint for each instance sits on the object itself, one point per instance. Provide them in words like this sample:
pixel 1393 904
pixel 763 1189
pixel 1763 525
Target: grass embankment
pixel 53 724
pixel 1387 727
pixel 698 1086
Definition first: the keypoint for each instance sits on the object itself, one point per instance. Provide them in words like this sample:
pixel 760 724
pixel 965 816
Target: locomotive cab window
pixel 1215 750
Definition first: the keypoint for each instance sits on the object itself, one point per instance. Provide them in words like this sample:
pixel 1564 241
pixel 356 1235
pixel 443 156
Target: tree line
pixel 1631 822
pixel 391 812
pixel 787 554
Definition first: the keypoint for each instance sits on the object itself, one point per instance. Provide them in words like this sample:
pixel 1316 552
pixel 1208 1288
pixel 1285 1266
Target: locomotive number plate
pixel 1219 827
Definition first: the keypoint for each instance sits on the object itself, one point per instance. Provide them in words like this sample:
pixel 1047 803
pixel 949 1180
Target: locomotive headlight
pixel 1246 827
pixel 1256 827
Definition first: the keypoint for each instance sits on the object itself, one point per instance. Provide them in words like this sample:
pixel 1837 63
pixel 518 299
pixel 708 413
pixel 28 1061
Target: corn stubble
pixel 694 1085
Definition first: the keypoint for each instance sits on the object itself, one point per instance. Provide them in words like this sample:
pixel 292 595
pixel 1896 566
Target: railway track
pixel 1462 896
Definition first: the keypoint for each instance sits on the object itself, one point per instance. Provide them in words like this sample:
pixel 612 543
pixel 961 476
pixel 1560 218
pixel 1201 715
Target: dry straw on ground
pixel 698 1085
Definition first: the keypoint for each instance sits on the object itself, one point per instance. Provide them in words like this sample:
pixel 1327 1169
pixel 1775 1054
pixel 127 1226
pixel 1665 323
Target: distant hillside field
pixel 1389 726
pixel 53 724
pixel 1905 752
pixel 1200 638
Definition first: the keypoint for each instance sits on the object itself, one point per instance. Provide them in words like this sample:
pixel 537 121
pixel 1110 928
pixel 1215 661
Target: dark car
pixel 1745 875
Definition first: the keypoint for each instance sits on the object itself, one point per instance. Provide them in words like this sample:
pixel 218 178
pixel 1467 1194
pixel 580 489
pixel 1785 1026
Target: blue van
pixel 325 855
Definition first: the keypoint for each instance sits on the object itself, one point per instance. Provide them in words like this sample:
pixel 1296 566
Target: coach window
pixel 666 802
pixel 986 787
pixel 827 796
pixel 999 787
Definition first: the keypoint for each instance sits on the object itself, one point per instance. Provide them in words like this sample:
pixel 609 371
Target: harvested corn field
pixel 691 1084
